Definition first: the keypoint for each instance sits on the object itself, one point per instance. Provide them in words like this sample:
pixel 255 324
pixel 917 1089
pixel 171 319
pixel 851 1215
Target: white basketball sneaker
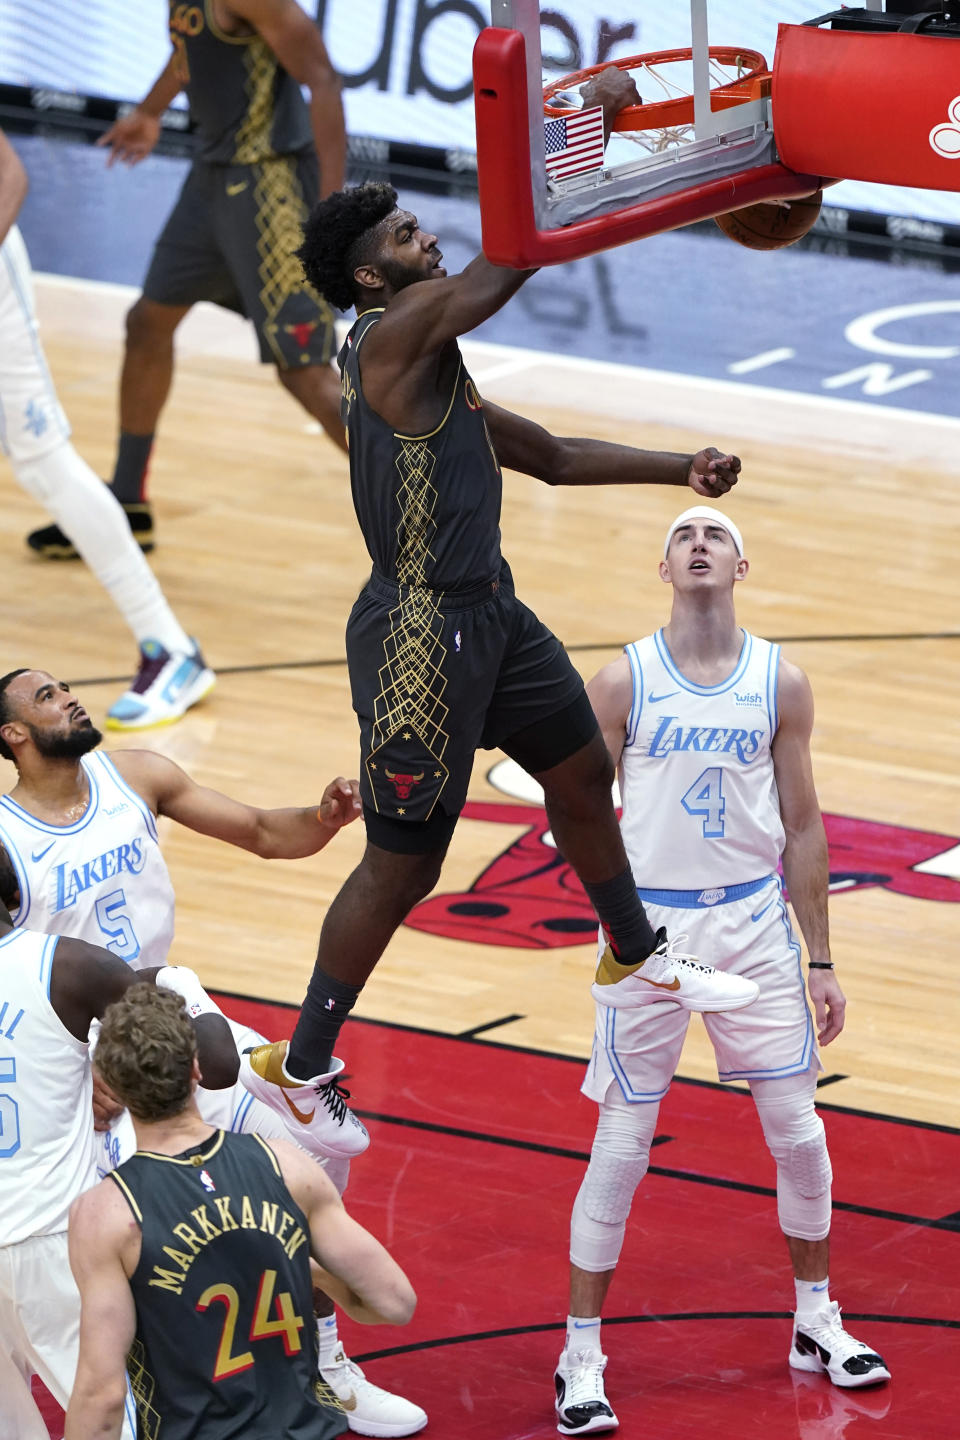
pixel 369 1409
pixel 314 1111
pixel 822 1344
pixel 581 1404
pixel 670 974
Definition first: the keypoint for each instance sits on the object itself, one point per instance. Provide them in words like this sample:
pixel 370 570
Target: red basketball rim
pixel 751 84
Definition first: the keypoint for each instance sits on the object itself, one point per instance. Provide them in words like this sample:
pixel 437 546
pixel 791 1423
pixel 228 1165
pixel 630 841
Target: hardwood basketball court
pixel 847 513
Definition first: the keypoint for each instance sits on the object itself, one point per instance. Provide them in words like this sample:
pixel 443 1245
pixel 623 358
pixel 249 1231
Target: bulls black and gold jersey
pixel 428 505
pixel 225 1346
pixel 246 107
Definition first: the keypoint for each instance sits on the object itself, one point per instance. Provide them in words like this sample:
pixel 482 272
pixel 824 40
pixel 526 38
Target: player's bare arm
pixel 525 446
pixel 408 362
pixel 104 1243
pixel 282 834
pixel 357 1272
pixel 13 185
pixel 806 867
pixel 298 45
pixel 610 692
pixel 84 980
pixel 133 136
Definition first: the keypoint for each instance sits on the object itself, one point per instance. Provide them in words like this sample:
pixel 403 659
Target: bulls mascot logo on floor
pixel 530 898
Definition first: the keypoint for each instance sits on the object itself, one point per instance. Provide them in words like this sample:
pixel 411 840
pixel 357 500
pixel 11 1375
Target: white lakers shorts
pixel 31 419
pixel 638 1050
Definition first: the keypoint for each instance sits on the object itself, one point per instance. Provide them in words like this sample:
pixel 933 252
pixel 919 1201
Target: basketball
pixel 773 224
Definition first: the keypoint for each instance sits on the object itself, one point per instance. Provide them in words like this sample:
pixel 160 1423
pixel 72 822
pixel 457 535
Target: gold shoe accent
pixel 611 972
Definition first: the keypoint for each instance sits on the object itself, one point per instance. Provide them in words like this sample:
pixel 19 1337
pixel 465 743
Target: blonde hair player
pixel 710 729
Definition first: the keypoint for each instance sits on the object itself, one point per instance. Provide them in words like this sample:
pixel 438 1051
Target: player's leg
pixel 294 325
pixel 795 1137
pixel 372 904
pixel 543 720
pixel 635 1053
pixel 36 437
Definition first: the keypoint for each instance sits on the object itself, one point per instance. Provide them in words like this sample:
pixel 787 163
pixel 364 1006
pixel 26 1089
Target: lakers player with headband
pixel 710 729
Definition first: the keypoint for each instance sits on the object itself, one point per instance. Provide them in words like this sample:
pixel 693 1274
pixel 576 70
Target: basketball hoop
pixel 737 76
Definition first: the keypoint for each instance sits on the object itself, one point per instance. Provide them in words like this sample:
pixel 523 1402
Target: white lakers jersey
pixel 102 879
pixel 700 804
pixel 47 1152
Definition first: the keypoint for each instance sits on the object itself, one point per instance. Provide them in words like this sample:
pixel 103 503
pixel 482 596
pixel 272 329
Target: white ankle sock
pixel 327 1339
pixel 812 1296
pixel 86 511
pixel 583 1333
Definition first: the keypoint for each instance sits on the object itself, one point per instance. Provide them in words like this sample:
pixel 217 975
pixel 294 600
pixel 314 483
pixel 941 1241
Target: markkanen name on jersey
pixel 206 1228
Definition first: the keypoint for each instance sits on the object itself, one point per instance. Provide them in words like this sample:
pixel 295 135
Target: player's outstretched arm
pixel 522 445
pixel 99 1226
pixel 610 692
pixel 298 45
pixel 356 1270
pixel 806 863
pixel 283 834
pixel 422 319
pixel 133 136
pixel 13 185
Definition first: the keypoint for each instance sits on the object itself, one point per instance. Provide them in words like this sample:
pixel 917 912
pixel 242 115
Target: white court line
pixel 514 359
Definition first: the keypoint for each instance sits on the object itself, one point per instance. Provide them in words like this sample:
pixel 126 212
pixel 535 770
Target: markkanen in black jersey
pixel 226 1343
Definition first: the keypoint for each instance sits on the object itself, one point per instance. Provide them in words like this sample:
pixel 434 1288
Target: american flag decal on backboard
pixel 574 143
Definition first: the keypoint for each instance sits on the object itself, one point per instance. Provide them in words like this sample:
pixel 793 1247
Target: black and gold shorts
pixel 230 239
pixel 437 676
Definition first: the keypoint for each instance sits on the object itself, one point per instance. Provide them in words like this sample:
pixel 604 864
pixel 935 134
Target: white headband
pixel 705 512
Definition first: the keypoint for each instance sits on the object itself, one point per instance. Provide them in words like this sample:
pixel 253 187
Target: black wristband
pixel 819 964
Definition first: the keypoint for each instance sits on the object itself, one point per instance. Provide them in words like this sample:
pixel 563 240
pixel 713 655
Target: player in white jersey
pixel 710 729
pixel 35 435
pixel 79 831
pixel 50 990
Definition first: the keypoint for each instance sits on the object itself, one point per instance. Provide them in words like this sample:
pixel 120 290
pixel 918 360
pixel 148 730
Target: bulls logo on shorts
pixel 405 776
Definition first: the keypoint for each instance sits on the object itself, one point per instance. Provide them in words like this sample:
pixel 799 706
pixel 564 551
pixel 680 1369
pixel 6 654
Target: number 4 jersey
pixel 700 804
pixel 90 879
pixel 226 1341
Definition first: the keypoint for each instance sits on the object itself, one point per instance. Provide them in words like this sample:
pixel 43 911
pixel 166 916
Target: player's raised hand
pixel 340 803
pixel 712 473
pixel 613 88
pixel 829 1004
pixel 132 138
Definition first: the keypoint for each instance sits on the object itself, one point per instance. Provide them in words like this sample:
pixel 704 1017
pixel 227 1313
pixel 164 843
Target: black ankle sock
pixel 623 917
pixel 129 483
pixel 328 1003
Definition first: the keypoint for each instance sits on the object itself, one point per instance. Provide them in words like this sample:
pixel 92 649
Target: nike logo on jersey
pixel 36 855
pixel 237 188
pixel 655 699
pixel 760 913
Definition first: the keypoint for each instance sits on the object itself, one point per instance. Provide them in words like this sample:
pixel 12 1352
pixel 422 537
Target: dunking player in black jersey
pixel 231 236
pixel 192 1260
pixel 443 657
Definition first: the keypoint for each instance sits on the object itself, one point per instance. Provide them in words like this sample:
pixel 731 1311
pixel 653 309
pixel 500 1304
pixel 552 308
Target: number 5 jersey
pixel 102 879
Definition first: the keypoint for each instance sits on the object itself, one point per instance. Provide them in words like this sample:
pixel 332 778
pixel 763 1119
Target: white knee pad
pixel 795 1136
pixel 618 1162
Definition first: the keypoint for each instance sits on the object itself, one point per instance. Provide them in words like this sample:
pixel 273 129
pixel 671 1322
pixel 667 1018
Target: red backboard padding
pixel 868 107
